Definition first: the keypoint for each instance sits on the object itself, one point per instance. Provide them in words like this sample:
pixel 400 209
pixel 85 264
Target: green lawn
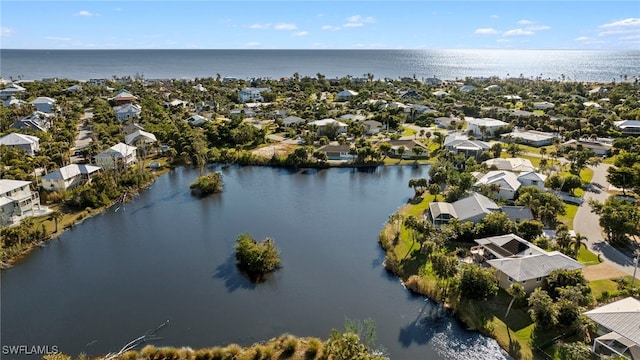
pixel 567 218
pixel 600 286
pixel 587 257
pixel 408 131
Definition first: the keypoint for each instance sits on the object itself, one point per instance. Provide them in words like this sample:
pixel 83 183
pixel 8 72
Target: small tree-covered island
pixel 501 232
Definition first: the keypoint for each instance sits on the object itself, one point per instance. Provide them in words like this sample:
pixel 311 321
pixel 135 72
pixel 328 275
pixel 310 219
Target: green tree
pixel 542 309
pixel 618 218
pixel 207 184
pixel 256 258
pixel 55 216
pixel 622 177
pixel 530 229
pixel 477 282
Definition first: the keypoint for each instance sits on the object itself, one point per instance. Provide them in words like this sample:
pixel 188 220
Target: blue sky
pixel 319 24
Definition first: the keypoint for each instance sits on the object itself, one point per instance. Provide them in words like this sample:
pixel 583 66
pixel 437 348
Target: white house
pixel 628 127
pixel 44 104
pixel 337 152
pixel 252 94
pixel 445 122
pixel 467 88
pixel 460 144
pixel 530 137
pixel 127 111
pixel 440 93
pixel 372 127
pixel 618 330
pixel 345 95
pixel 10 91
pixel 74 88
pixel 510 164
pixel 16 201
pixel 37 120
pixel 97 82
pixel 532 179
pixel 324 124
pixel 117 156
pixel 11 101
pixel 28 143
pixel 68 177
pixel 506 180
pixel 140 136
pixel 476 126
pixel 472 208
pixel 196 120
pixel 292 120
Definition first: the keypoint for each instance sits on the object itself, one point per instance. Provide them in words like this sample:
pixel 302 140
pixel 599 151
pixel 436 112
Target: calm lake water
pixel 169 256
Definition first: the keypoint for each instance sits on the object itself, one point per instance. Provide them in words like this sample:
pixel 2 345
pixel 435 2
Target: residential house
pixel 345 95
pixel 467 88
pixel 252 94
pixel 493 87
pixel 598 147
pixel 118 156
pixel 37 120
pixel 97 82
pixel 485 127
pixel 353 117
pixel 433 81
pixel 420 109
pixel 532 178
pixel 408 146
pixel 127 111
pixel 543 105
pixel 598 91
pixel 628 127
pixel 292 120
pixel 517 260
pixel 507 181
pixel 461 144
pixel 473 208
pixel 176 103
pixel 618 329
pixel 123 97
pixel 74 88
pixel 10 91
pixel 510 164
pixel 16 201
pixel 200 88
pixel 324 125
pixel 140 137
pixel 44 104
pixel 411 94
pixel 440 93
pixel 196 120
pixel 529 137
pixel 27 143
pixel 337 152
pixel 372 127
pixel 512 97
pixel 131 128
pixel 517 213
pixel 11 101
pixel 69 177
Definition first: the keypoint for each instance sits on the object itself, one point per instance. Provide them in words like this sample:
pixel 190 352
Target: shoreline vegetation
pixel 230 130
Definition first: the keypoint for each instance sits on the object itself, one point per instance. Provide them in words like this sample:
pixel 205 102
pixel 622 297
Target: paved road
pixel 587 223
pixel 83 139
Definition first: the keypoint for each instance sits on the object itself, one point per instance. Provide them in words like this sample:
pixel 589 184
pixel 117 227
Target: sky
pixel 315 24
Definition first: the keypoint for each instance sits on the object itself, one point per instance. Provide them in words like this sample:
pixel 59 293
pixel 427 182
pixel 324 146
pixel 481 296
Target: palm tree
pixel 55 216
pixel 578 240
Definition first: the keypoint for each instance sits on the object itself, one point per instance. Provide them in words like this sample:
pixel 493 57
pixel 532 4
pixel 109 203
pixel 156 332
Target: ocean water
pixel 577 65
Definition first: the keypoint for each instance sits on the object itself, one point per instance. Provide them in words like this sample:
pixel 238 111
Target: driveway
pixel 83 139
pixel 587 223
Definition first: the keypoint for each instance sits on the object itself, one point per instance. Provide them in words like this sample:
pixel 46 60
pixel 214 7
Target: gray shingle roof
pixel 474 205
pixel 534 266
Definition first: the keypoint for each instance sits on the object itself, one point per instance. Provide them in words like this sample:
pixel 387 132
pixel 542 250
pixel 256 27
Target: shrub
pixel 313 348
pixel 207 184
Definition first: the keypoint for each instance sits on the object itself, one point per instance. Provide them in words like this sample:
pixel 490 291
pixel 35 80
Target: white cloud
pixel 253 43
pixel 6 31
pixel 300 33
pixel 494 16
pixel 486 31
pixel 58 38
pixel 85 13
pixel 586 40
pixel 518 32
pixel 358 21
pixel 284 26
pixel 583 38
pixel 525 22
pixel 330 28
pixel 118 9
pixel 260 26
pixel 629 22
pixel 503 40
pixel 537 28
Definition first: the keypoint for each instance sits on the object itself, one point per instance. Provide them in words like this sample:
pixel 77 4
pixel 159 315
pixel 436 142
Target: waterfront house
pixel 337 152
pixel 44 104
pixel 517 260
pixel 253 94
pixel 37 120
pixel 97 82
pixel 324 125
pixel 461 144
pixel 506 181
pixel 408 146
pixel 345 95
pixel 510 164
pixel 28 143
pixel 628 127
pixel 10 91
pixel 116 157
pixel 484 127
pixel 473 208
pixel 127 111
pixel 618 330
pixel 433 81
pixel 69 176
pixel 16 201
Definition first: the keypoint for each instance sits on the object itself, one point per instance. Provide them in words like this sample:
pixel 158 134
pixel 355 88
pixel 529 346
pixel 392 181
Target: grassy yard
pixel 567 218
pixel 587 257
pixel 408 131
pixel 598 287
